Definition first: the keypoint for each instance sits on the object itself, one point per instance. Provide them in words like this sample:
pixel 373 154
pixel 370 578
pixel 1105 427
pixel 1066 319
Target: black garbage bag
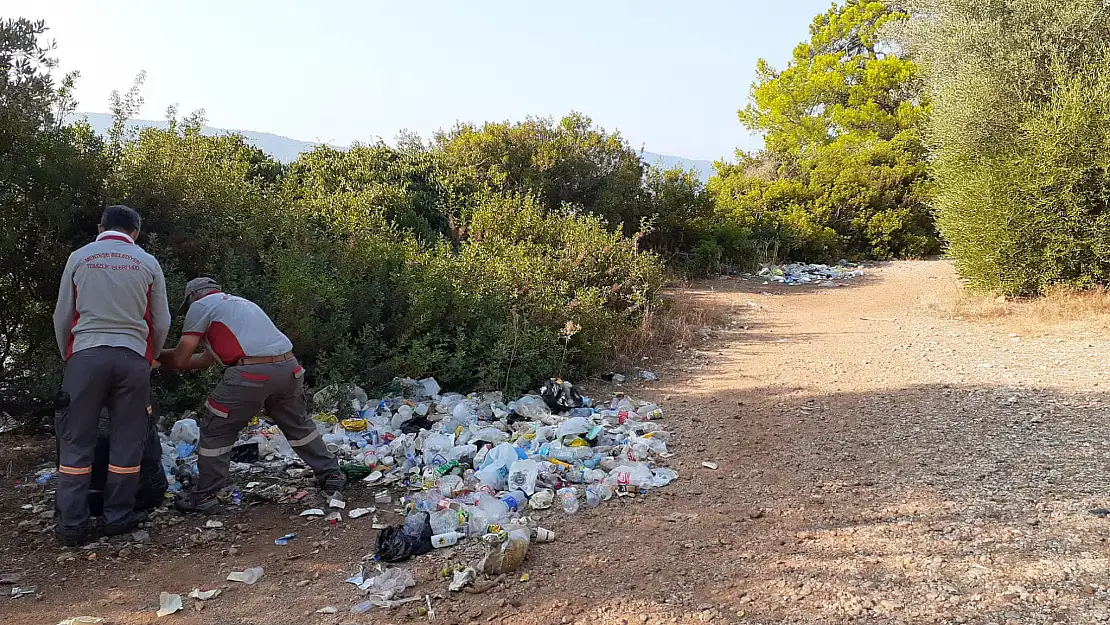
pixel 152 478
pixel 560 396
pixel 398 543
pixel 414 425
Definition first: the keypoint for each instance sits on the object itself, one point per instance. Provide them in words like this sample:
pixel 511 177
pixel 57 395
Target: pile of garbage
pixel 470 466
pixel 801 273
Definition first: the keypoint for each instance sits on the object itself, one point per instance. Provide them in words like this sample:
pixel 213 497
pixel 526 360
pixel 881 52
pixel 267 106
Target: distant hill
pixel 286 150
pixel 704 168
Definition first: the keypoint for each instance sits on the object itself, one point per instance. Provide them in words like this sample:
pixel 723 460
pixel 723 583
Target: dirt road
pixel 880 462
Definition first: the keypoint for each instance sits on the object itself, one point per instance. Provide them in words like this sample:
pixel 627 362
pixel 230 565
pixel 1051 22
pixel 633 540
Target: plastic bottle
pixel 569 497
pixel 563 453
pixel 446 539
pixel 444 521
pixel 515 500
pixel 362 608
pixel 248 576
pixel 493 509
pixel 402 416
pixel 475 524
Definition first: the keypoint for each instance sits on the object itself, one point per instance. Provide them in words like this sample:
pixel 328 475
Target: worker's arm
pixel 65 309
pixel 184 356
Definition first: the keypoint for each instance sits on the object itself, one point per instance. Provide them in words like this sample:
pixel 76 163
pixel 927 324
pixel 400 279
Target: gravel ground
pixel 879 462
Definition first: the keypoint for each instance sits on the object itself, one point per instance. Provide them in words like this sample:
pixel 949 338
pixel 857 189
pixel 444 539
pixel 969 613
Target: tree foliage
pixel 569 162
pixel 51 185
pixel 465 259
pixel 844 171
pixel 1018 137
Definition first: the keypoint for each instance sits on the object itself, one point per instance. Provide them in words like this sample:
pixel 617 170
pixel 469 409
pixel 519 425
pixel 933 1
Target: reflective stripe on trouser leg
pixel 214 453
pixel 63 469
pixel 301 442
pixel 123 470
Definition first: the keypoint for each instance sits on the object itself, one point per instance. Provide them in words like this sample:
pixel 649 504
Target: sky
pixel 669 75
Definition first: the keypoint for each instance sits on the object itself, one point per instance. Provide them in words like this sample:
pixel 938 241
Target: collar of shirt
pixel 114 234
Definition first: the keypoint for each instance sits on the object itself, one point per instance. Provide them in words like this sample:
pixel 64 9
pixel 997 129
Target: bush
pixel 1019 129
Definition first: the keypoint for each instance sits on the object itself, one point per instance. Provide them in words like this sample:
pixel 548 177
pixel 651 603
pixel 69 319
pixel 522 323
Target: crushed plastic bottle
pixel 248 576
pixel 569 497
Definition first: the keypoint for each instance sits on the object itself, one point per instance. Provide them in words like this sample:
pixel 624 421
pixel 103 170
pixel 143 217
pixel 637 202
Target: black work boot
pixel 126 526
pixel 72 538
pixel 332 483
pixel 205 505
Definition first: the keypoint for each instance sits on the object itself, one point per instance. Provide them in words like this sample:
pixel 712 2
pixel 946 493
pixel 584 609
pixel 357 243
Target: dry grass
pixel 1034 315
pixel 679 320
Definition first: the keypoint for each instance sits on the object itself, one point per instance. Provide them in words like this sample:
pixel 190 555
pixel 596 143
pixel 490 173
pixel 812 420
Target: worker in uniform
pixel 261 374
pixel 110 322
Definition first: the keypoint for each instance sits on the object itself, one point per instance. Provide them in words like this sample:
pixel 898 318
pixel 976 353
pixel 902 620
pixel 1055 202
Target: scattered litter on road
pixel 328 610
pixel 542 500
pixel 168 604
pixel 248 577
pixel 334 517
pixel 284 540
pixel 337 503
pixel 648 376
pixel 204 595
pixel 463 578
pixel 311 512
pixel 801 273
pixel 710 465
pixel 357 578
pixel 388 584
pixel 213 524
pixel 20 591
pixel 357 512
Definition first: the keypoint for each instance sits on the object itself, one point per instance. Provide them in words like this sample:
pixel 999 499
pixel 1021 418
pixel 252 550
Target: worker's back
pixel 113 280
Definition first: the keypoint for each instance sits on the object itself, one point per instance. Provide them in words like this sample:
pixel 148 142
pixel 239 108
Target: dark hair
pixel 122 218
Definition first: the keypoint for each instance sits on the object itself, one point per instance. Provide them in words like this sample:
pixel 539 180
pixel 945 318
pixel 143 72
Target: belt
pixel 265 360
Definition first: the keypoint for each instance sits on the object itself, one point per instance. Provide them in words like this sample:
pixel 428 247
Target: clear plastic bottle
pixel 569 497
pixel 515 500
pixel 593 496
pixel 362 608
pixel 444 521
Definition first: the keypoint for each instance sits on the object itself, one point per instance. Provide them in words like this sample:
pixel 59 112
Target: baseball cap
pixel 196 285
